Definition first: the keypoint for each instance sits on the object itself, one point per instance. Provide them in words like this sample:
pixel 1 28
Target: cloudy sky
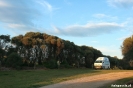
pixel 102 24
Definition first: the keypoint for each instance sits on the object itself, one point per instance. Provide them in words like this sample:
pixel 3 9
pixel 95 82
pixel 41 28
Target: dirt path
pixel 91 81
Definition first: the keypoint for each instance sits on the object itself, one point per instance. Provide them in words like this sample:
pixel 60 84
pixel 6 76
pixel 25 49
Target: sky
pixel 102 24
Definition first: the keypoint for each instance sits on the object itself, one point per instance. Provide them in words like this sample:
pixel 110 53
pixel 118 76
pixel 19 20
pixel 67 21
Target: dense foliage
pixel 42 49
pixel 14 60
pixel 127 52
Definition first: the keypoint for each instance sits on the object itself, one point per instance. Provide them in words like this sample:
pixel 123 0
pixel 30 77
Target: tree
pixel 4 47
pixel 113 61
pixel 3 40
pixel 27 41
pixel 14 60
pixel 127 49
pixel 1 53
pixel 35 47
pixel 17 40
pixel 90 55
pixel 127 52
pixel 127 45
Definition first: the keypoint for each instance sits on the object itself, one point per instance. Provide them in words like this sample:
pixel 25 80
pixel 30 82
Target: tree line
pixel 40 49
pixel 127 52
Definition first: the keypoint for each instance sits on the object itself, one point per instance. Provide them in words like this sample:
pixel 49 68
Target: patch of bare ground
pixel 94 81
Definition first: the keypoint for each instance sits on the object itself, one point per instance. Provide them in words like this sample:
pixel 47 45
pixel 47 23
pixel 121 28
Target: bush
pixel 14 60
pixel 52 64
pixel 65 65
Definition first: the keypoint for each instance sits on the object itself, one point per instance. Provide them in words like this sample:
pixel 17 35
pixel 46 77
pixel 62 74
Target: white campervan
pixel 102 63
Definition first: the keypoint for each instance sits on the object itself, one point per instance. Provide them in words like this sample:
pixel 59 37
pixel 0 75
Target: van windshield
pixel 98 61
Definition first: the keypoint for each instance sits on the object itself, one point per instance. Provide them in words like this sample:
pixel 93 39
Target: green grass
pixel 37 78
pixel 118 82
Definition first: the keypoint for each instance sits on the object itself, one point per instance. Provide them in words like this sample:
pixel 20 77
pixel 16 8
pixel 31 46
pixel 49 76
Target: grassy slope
pixel 36 78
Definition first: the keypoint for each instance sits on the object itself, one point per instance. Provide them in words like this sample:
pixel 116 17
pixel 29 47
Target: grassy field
pixel 118 82
pixel 37 78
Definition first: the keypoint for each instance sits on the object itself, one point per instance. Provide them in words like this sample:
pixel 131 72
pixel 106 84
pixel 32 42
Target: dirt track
pixel 91 81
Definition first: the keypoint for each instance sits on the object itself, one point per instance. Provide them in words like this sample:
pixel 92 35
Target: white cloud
pixel 121 3
pixel 89 29
pixel 46 5
pixel 99 16
pixel 23 15
pixel 20 28
pixel 4 4
pixel 16 26
pixel 17 13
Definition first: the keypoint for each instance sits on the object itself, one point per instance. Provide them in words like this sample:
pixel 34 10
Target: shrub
pixel 14 60
pixel 52 64
pixel 65 65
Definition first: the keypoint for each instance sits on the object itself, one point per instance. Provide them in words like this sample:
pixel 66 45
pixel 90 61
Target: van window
pixel 98 61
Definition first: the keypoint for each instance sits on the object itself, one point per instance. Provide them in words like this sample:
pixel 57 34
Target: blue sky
pixel 102 24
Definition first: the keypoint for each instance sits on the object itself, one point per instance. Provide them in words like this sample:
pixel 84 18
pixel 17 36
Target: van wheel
pixel 108 68
pixel 103 67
